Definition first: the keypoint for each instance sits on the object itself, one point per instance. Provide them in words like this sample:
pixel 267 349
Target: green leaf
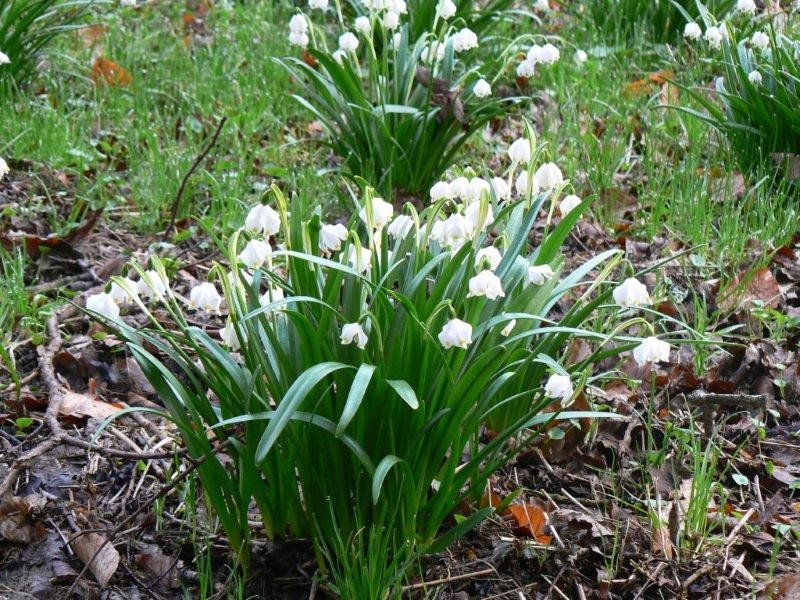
pixel 291 401
pixel 380 475
pixel 405 392
pixel 357 390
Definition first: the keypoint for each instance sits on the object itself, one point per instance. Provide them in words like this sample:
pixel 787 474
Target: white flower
pixel 580 56
pixel 746 6
pixel 479 185
pixel 228 336
pixel 396 39
pixel 501 189
pixel 461 188
pixel 520 151
pixel 755 77
pixel 120 294
pixel 348 42
pixel 522 182
pixel 320 4
pixel 482 89
pixel 488 258
pixel 4 60
pixel 331 237
pixel 441 189
pixel 152 285
pixel 651 350
pixel 263 219
pixel 568 204
pixel 631 293
pixel 549 176
pixel 526 69
pixel 298 24
pixel 398 6
pixel 338 55
pixel 453 233
pixel 506 331
pixel 127 3
pixel 486 284
pixel 256 253
pixel 363 25
pixel 103 304
pixel 456 333
pixel 4 170
pixel 559 386
pixel 760 40
pixel 391 20
pixel 465 40
pixel 362 261
pixel 473 216
pixel 543 5
pixel 298 39
pixel 400 227
pixel 381 212
pixel 205 297
pixel 534 54
pixel 538 274
pixel 550 54
pixel 353 332
pixel 446 9
pixel 427 54
pixel 714 37
pixel 692 31
pixel 273 294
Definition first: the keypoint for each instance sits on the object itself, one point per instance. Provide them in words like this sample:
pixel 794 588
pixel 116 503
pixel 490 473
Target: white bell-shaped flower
pixel 256 253
pixel 456 333
pixel 488 258
pixel 103 304
pixel 549 176
pixel 559 386
pixel 538 274
pixel 353 333
pixel 651 350
pixel 486 284
pixel 631 293
pixel 263 219
pixel 381 210
pixel 205 296
pixel 331 237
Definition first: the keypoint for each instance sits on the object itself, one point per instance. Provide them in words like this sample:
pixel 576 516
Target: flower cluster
pixel 545 55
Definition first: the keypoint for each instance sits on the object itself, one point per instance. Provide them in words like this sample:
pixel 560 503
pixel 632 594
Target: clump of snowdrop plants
pixel 757 106
pixel 354 368
pixel 397 106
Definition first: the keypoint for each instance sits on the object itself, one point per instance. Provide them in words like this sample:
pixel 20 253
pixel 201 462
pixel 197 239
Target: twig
pixel 425 584
pixel 177 201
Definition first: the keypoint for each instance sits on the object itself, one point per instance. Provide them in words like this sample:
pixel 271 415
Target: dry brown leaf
pixel 101 556
pixel 107 71
pixel 163 568
pixel 530 520
pixel 743 292
pixel 83 406
pixel 92 35
pixel 17 524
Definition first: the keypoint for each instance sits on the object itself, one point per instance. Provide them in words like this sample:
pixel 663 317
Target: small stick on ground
pixel 426 584
pixel 179 196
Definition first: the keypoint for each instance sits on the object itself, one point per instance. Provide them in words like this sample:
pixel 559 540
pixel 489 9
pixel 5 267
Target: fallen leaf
pixel 17 522
pixel 107 71
pixel 83 406
pixel 63 245
pixel 744 291
pixel 530 520
pixel 785 587
pixel 163 568
pixel 101 556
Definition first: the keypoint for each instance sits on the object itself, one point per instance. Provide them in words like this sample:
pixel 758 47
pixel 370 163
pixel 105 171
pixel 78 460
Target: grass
pixel 657 172
pixel 134 143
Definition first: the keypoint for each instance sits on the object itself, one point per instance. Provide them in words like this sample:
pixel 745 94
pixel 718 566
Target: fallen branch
pixel 179 196
pixel 426 584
